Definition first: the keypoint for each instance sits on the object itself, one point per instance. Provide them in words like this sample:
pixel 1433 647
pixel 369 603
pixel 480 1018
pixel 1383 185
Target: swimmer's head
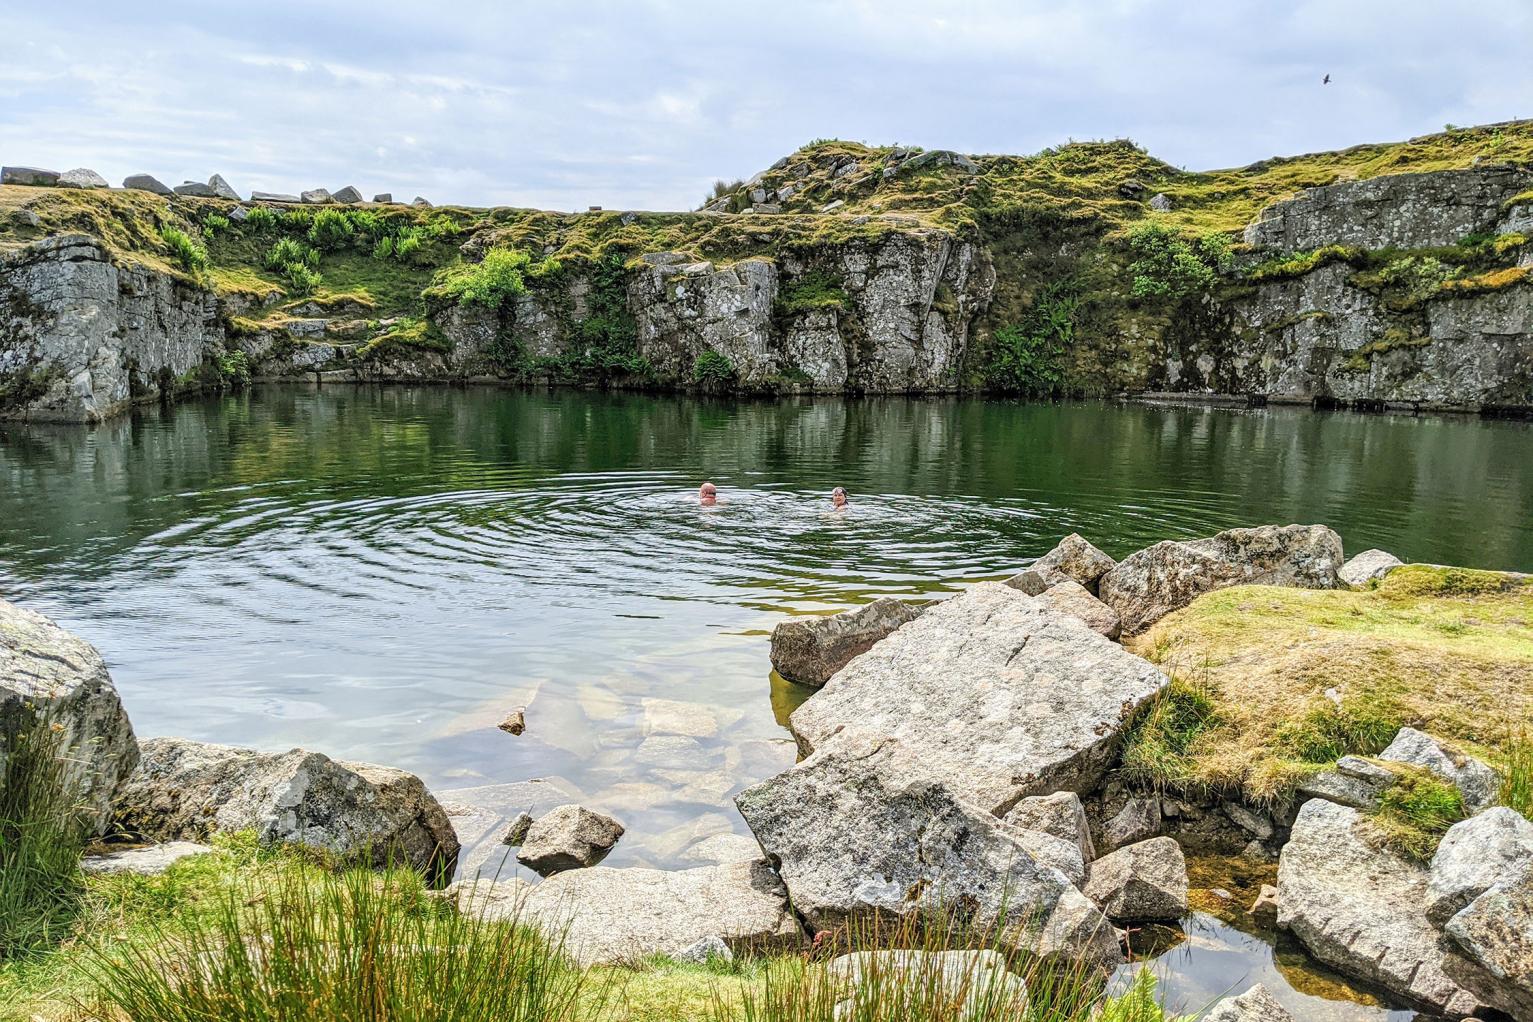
pixel 838 497
pixel 708 494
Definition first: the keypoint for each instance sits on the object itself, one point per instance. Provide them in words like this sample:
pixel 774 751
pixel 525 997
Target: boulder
pixel 1142 883
pixel 1367 566
pixel 82 177
pixel 222 188
pixel 1265 906
pixel 808 650
pixel 516 830
pixel 864 828
pixel 28 176
pixel 1474 856
pixel 1496 932
pixel 1030 582
pixel 1074 559
pixel 316 196
pixel 624 915
pixel 185 790
pixel 1059 815
pixel 1053 852
pixel 1478 783
pixel 953 984
pixel 1138 820
pixel 1003 696
pixel 1255 1005
pixel 1160 202
pixel 1362 910
pixel 53 680
pixel 384 197
pixel 239 214
pixel 568 837
pixel 195 189
pixel 348 195
pixel 147 860
pixel 1146 586
pixel 709 949
pixel 1070 597
pixel 1356 782
pixel 418 201
pixel 146 183
pixel 273 197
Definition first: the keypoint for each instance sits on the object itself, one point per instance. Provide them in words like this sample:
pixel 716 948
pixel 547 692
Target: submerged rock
pixel 624 915
pixel 188 790
pixel 1255 1005
pixel 568 837
pixel 1474 856
pixel 1476 782
pixel 808 650
pixel 54 688
pixel 864 827
pixel 1367 566
pixel 1001 697
pixel 148 860
pixel 1142 883
pixel 1362 911
pixel 1060 815
pixel 1146 586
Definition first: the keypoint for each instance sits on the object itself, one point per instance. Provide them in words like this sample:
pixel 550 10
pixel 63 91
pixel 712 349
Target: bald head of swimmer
pixel 707 494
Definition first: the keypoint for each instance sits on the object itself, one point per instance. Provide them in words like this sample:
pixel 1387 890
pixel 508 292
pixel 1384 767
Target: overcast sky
pixel 641 104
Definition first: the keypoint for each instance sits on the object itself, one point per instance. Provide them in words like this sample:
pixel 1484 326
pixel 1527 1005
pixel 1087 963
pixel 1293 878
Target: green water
pixel 378 573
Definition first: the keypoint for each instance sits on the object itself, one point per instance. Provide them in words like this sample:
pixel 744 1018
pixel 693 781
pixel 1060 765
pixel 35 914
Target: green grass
pixel 189 254
pixel 1415 812
pixel 41 838
pixel 1517 771
pixel 813 292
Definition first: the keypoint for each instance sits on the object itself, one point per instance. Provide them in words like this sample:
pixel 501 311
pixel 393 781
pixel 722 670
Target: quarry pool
pixel 380 573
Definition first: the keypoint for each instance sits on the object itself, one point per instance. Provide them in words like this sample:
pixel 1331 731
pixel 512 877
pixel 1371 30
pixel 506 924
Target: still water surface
pixel 379 573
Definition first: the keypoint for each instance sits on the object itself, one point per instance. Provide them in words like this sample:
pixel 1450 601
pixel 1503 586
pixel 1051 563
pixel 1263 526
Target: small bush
pixel 491 284
pixel 234 367
pixel 215 224
pixel 301 280
pixel 408 244
pixel 1170 266
pixel 285 252
pixel 261 219
pixel 191 255
pixel 331 230
pixel 1029 357
pixel 297 220
pixel 812 292
pixel 713 369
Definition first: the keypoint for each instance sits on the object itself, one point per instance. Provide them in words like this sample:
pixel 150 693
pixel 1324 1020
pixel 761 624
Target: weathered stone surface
pixel 1255 1005
pixel 963 981
pixel 1029 581
pixel 624 915
pixel 1002 696
pixel 516 830
pixel 1362 911
pixel 148 860
pixel 185 790
pixel 273 197
pixel 384 197
pixel 864 827
pixel 418 201
pixel 1053 852
pixel 51 679
pixel 1478 783
pixel 82 177
pixel 1474 856
pixel 222 188
pixel 195 189
pixel 1060 815
pixel 1142 883
pixel 1355 782
pixel 1160 202
pixel 239 214
pixel 316 196
pixel 146 183
pixel 1070 597
pixel 28 176
pixel 1266 904
pixel 1138 820
pixel 568 837
pixel 1419 210
pixel 1075 559
pixel 1148 585
pixel 707 950
pixel 348 195
pixel 808 650
pixel 1367 566
pixel 1496 932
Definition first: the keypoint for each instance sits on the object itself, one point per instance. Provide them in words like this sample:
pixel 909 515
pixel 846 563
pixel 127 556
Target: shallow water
pixel 379 573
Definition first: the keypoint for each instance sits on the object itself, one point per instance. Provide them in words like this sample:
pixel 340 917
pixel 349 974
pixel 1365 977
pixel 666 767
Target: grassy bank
pixel 1274 685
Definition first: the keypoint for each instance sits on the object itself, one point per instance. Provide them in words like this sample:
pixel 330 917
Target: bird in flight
pixel 1326 80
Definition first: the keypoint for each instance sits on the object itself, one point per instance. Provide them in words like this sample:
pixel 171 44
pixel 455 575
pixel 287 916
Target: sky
pixel 642 104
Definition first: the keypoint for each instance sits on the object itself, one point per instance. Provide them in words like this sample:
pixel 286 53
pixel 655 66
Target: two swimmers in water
pixel 708 496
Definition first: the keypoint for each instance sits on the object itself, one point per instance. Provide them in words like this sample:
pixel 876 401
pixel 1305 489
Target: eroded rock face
pixel 50 678
pixel 568 837
pixel 1362 911
pixel 1060 815
pixel 1478 783
pixel 624 915
pixel 1496 931
pixel 80 337
pixel 808 650
pixel 1002 696
pixel 1146 586
pixel 1255 1005
pixel 1367 566
pixel 1474 856
pixel 864 827
pixel 1141 883
pixel 1070 597
pixel 185 790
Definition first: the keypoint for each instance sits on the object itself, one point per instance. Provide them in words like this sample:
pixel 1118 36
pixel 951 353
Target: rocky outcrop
pixel 57 701
pixel 864 828
pixel 1496 932
pixel 82 337
pixel 1073 559
pixel 1146 586
pixel 808 650
pixel 568 837
pixel 1474 856
pixel 626 915
pixel 1059 815
pixel 1072 598
pixel 1367 566
pixel 1003 697
pixel 1478 783
pixel 185 790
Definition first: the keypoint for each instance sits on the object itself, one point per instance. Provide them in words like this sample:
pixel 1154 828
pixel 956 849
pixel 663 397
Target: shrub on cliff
pixel 1169 265
pixel 490 284
pixel 191 255
pixel 713 369
pixel 1029 357
pixel 331 230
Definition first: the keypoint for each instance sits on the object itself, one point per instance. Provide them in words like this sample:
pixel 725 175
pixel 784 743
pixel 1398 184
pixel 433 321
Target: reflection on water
pixel 381 573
